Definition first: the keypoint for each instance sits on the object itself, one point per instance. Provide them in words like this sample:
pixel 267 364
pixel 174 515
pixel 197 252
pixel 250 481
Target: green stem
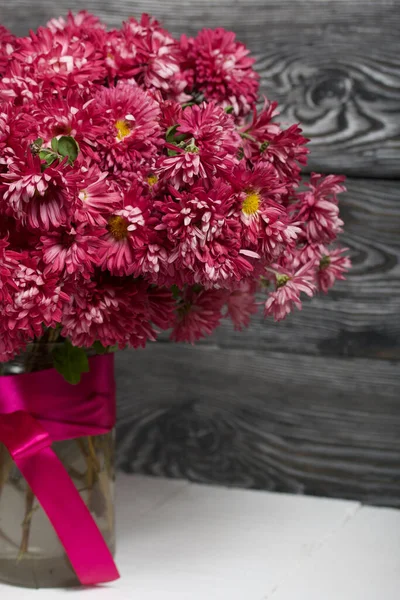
pixel 6 465
pixel 30 365
pixel 247 136
pixel 26 524
pixel 106 478
pixel 92 465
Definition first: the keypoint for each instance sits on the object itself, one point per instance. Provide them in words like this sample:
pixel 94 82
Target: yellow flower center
pixel 83 195
pixel 281 280
pixel 118 227
pixel 324 262
pixel 152 180
pixel 123 129
pixel 251 203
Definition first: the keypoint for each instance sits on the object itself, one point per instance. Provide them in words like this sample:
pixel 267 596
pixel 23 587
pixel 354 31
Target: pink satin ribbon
pixel 39 408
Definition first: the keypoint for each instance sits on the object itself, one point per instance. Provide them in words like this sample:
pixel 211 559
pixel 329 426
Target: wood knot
pixel 331 89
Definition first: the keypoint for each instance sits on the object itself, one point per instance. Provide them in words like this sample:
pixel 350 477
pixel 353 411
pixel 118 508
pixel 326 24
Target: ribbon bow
pixel 37 409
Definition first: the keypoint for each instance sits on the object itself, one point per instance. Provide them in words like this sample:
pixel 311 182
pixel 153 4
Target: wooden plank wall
pixel 311 405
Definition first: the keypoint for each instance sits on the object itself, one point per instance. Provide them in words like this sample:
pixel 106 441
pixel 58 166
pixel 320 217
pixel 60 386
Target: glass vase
pixel 31 554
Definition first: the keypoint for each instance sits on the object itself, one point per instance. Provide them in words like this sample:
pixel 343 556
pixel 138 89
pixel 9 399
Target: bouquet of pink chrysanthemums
pixel 141 189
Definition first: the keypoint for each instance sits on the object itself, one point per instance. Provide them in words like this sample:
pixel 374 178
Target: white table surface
pixel 179 541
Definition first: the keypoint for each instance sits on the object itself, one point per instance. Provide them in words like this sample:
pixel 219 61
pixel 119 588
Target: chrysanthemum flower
pixel 67 114
pixel 11 343
pixel 163 182
pixel 71 251
pixel 287 152
pixel 7 46
pixel 206 235
pixel 177 87
pixel 170 115
pixel 18 87
pixel 145 51
pixel 185 166
pixel 268 229
pixel 209 147
pixel 212 129
pixel 302 254
pixel 221 68
pixel 241 304
pixel 318 210
pixel 161 306
pixel 40 199
pixel 38 300
pixel 5 129
pixel 264 140
pixel 60 58
pixel 97 196
pixel 198 314
pixel 259 130
pixel 18 237
pixel 332 266
pixel 151 259
pixel 131 132
pixel 126 232
pixel 76 24
pixel 289 286
pixel 8 264
pixel 15 128
pixel 116 312
pixel 24 300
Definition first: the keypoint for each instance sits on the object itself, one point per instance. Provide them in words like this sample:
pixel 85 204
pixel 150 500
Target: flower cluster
pixel 142 190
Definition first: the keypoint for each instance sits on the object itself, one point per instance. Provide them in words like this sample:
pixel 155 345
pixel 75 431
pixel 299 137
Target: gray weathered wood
pixel 312 404
pixel 334 66
pixel 262 419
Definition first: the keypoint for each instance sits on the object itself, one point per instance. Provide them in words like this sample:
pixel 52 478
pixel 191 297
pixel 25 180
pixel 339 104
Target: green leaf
pixel 100 349
pixel 264 282
pixel 67 146
pixel 48 156
pixel 176 292
pixel 44 154
pixel 70 362
pixel 179 139
pixel 325 262
pixel 54 144
pixel 197 288
pixel 173 137
pixel 171 131
pixel 229 109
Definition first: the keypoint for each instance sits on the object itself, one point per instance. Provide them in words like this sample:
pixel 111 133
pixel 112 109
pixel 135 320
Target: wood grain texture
pixel 333 65
pixel 310 405
pixel 262 419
